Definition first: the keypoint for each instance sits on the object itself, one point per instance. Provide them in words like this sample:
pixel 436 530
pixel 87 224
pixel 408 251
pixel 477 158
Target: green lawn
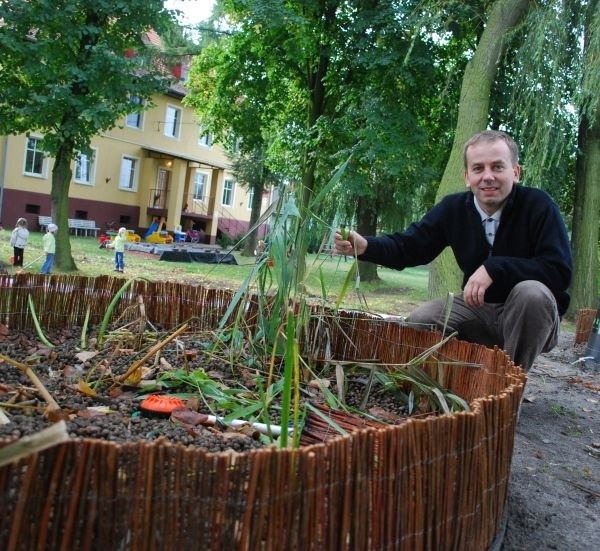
pixel 395 293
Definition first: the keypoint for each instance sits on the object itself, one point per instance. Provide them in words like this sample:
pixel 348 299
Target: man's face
pixel 490 173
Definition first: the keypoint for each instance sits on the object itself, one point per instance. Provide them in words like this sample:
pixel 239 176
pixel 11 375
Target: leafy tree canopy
pixel 63 71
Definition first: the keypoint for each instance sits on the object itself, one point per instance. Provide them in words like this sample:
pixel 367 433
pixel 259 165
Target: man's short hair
pixel 493 136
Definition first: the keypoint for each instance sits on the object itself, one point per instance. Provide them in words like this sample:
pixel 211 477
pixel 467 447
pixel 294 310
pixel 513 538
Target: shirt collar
pixel 484 215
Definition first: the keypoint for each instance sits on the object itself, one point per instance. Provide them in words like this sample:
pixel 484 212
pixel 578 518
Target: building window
pixel 129 173
pixel 173 122
pixel 34 157
pixel 32 209
pixel 84 168
pixel 134 119
pixel 250 198
pixel 200 180
pixel 228 187
pixel 205 138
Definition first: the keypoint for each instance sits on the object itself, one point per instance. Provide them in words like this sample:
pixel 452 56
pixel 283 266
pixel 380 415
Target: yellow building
pixel 155 168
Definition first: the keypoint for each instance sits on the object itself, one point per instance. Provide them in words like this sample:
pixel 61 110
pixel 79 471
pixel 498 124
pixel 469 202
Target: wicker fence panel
pixel 63 301
pixel 429 484
pixel 438 483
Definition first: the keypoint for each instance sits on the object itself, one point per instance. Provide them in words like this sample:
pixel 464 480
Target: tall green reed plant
pixel 276 291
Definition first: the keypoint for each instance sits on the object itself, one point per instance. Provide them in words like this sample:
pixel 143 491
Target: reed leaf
pixel 346 284
pixel 290 361
pixel 112 305
pixel 84 329
pixel 36 322
pixel 327 188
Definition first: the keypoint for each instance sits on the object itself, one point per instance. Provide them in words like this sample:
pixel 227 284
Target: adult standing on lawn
pixel 49 245
pixel 18 241
pixel 510 242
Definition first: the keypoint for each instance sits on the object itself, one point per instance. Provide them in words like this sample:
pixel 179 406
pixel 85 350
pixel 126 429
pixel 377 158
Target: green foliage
pixel 36 323
pixel 549 65
pixel 317 81
pixel 63 68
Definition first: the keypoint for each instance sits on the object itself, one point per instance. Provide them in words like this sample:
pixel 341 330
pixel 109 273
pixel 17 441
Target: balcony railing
pixel 195 204
pixel 159 198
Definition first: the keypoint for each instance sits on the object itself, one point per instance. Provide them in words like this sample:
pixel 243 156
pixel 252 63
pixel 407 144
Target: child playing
pixel 119 246
pixel 49 244
pixel 18 241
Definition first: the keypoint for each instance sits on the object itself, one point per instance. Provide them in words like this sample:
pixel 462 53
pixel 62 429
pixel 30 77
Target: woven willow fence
pixel 435 483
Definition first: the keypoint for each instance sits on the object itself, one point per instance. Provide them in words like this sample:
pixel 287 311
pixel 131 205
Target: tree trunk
pixel 367 225
pixel 59 197
pixel 585 237
pixel 252 239
pixel 477 82
pixel 584 288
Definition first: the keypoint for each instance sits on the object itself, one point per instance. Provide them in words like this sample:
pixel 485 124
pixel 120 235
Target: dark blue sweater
pixel 531 243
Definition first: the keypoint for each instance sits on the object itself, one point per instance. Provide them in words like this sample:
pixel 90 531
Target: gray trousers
pixel 525 325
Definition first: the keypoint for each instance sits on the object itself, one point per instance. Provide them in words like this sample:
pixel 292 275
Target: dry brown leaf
pixel 134 378
pixel 86 389
pixel 193 403
pixel 188 417
pixel 56 415
pixel 94 411
pixel 85 355
pixel 320 383
pixel 6 389
pixel 165 364
pixel 239 433
pixel 214 374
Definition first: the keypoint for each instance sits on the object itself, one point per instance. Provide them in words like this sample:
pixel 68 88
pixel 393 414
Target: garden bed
pixel 438 482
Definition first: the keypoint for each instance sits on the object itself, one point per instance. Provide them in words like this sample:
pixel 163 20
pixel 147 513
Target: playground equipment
pixel 155 235
pixel 161 237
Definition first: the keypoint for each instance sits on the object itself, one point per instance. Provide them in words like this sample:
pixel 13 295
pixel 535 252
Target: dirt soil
pixel 554 500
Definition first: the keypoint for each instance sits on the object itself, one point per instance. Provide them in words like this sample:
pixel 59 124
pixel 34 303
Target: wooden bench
pixel 83 226
pixel 43 222
pixel 76 225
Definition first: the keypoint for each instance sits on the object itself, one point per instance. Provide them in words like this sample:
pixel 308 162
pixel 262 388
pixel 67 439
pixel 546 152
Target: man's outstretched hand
pixel 353 245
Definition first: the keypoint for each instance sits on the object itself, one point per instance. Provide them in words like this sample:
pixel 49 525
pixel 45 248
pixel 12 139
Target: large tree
pixel 269 79
pixel 556 77
pixel 391 116
pixel 585 289
pixel 318 81
pixel 63 73
pixel 252 170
